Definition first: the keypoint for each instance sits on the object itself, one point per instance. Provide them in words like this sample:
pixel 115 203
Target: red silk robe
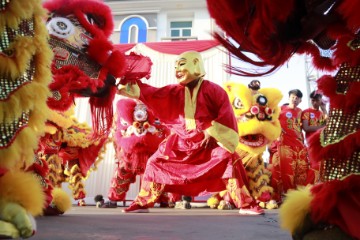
pixel 314 118
pixel 290 163
pixel 180 162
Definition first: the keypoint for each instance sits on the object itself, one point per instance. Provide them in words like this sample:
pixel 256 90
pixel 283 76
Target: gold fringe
pixel 19 10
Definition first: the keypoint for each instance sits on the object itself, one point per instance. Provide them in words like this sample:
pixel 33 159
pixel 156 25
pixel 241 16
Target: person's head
pixel 295 97
pixel 189 66
pixel 315 99
pixel 254 85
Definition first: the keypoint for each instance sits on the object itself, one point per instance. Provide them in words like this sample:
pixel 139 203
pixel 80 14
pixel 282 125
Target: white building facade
pixel 139 21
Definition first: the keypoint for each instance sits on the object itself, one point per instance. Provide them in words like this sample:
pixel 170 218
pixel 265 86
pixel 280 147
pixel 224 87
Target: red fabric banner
pixel 175 48
pixel 124 47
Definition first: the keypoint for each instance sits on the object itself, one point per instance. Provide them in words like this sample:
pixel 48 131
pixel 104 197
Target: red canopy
pixel 175 48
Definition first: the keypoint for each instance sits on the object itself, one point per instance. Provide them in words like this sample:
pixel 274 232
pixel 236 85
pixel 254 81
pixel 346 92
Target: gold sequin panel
pixel 8 86
pixel 347 74
pixel 65 54
pixel 333 168
pixel 339 126
pixel 25 29
pixel 9 130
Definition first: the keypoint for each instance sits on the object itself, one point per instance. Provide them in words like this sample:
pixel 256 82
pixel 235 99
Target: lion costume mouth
pixel 253 140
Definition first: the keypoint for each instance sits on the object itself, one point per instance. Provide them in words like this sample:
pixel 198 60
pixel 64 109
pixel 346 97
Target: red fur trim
pixel 344 53
pixel 270 8
pixel 116 64
pixel 321 63
pixel 337 30
pixel 256 28
pixel 340 151
pixel 337 203
pixel 64 103
pixel 80 8
pixel 75 79
pixel 349 9
pixel 99 49
pixel 349 102
pixel 263 28
pixel 66 80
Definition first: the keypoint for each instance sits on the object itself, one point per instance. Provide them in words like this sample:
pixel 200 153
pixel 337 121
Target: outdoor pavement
pixel 89 222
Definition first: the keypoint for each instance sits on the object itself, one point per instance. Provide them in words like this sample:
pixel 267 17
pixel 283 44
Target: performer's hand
pixel 205 142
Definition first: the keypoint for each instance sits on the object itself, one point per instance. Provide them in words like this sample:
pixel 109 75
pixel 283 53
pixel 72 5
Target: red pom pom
pixel 254 110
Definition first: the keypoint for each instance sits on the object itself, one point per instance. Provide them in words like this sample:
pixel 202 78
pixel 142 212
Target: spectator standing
pixel 313 119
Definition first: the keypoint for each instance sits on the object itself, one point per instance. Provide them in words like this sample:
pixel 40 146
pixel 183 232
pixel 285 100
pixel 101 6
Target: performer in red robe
pixel 290 163
pixel 198 156
pixel 314 119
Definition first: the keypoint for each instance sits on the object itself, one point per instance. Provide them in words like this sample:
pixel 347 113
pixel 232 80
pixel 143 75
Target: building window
pixel 180 29
pixel 133 30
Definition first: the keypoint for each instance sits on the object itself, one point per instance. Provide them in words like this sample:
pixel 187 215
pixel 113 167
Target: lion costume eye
pixel 237 103
pixel 261 100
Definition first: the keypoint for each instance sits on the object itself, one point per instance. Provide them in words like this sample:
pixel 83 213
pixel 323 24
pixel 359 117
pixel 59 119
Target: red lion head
pixel 138 133
pixel 85 62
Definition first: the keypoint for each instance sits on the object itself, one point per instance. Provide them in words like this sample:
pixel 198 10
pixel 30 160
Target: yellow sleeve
pixel 226 137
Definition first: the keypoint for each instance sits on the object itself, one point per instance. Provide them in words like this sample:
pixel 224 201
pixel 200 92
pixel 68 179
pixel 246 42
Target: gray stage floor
pixel 160 224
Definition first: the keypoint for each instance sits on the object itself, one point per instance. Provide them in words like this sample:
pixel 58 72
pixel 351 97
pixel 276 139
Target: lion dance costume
pixel 84 65
pixel 138 134
pixel 25 57
pixel 257 117
pixel 328 30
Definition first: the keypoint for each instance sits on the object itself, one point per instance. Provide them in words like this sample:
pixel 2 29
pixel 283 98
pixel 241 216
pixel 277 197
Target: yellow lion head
pixel 257 114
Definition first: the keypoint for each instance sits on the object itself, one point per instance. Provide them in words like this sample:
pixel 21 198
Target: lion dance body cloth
pixel 328 30
pixel 25 58
pixel 138 134
pixel 85 65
